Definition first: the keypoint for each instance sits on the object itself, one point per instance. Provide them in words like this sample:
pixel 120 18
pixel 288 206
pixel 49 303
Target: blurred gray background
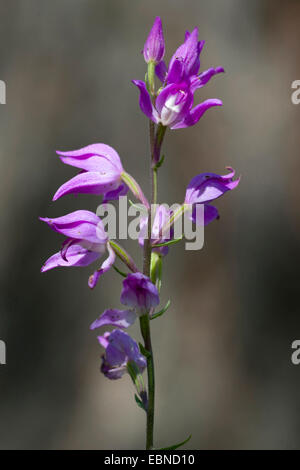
pixel 223 349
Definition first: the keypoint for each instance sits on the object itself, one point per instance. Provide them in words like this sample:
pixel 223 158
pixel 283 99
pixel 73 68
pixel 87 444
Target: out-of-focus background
pixel 223 350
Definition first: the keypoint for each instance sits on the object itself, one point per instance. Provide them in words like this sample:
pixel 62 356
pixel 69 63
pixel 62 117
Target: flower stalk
pixel 155 145
pixel 101 173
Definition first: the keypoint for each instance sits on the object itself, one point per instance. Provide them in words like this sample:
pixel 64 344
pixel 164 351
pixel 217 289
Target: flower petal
pixel 145 100
pixel 80 225
pixel 119 318
pixel 77 256
pixel 204 77
pixel 106 265
pixel 115 194
pixel 189 53
pixel 210 213
pixel 196 113
pixel 87 182
pixel 175 72
pixel 161 71
pixel 122 346
pixel 173 103
pixel 208 186
pixel 103 340
pixel 154 47
pixel 95 157
pixel 138 291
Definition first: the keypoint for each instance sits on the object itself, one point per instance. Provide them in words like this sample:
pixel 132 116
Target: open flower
pixel 101 172
pixel 115 317
pixel 174 105
pixel 206 187
pixel 120 349
pixel 139 292
pixel 86 242
pixel 161 218
pixel 154 47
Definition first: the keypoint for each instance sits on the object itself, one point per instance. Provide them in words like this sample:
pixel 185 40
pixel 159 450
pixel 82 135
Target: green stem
pixel 145 330
pixel 155 146
pixel 144 320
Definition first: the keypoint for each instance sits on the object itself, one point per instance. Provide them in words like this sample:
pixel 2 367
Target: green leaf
pixel 161 312
pixel 171 242
pixel 175 446
pixel 120 252
pixel 140 403
pixel 139 207
pixel 137 378
pixel 119 271
pixel 155 268
pixel 144 351
pixel 159 164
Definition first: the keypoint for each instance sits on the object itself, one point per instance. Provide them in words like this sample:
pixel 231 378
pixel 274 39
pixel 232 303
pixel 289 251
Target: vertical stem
pixel 145 319
pixel 145 329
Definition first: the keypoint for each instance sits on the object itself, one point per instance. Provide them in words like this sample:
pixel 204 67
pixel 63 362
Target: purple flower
pixel 86 242
pixel 174 105
pixel 139 292
pixel 185 64
pixel 101 172
pixel 206 187
pixel 154 47
pixel 119 318
pixel 161 218
pixel 188 54
pixel 120 349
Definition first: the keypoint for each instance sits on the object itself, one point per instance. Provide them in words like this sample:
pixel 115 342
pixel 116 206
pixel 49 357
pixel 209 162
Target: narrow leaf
pixel 119 271
pixel 139 402
pixel 161 312
pixel 176 446
pixel 159 164
pixel 138 206
pixel 171 242
pixel 144 351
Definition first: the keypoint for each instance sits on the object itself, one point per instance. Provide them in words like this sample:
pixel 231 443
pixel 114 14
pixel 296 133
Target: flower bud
pixel 154 47
pixel 139 292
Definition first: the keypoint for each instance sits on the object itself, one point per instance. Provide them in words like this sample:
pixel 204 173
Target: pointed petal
pixel 95 157
pixel 196 113
pixel 194 69
pixel 189 52
pixel 229 175
pixel 154 47
pixel 106 265
pixel 77 256
pixel 80 225
pixel 145 100
pixel 208 186
pixel 87 182
pixel 175 71
pixel 161 71
pixel 201 80
pixel 119 318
